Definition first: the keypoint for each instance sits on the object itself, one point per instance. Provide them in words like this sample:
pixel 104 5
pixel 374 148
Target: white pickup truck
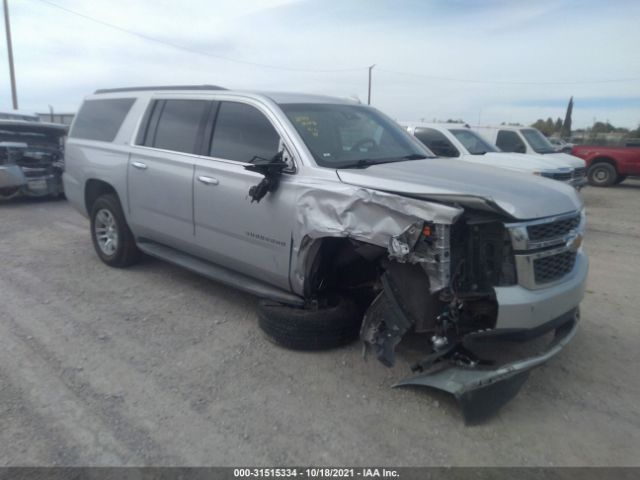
pixel 455 140
pixel 529 140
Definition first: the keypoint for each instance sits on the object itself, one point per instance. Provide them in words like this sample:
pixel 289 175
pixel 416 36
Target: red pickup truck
pixel 608 166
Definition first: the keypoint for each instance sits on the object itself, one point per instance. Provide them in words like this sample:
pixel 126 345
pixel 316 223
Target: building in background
pixel 63 118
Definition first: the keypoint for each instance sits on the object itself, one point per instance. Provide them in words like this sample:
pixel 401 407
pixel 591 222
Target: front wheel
pixel 9 193
pixel 602 175
pixel 113 241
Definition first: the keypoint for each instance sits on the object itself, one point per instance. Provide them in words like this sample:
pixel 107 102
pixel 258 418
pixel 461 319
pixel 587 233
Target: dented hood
pixel 478 186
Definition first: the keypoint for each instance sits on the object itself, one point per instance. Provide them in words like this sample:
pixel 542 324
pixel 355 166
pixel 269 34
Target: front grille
pixel 34 172
pixel 559 228
pixel 553 267
pixel 562 176
pixel 580 172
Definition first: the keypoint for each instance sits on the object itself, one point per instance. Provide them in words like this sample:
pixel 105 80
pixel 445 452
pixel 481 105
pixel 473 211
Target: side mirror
pixel 521 149
pixel 271 170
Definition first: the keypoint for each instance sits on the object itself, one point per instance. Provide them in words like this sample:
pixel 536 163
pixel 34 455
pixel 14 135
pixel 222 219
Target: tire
pixel 108 219
pixel 620 179
pixel 9 193
pixel 602 174
pixel 333 326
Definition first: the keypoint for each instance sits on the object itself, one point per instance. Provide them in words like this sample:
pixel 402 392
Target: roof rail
pixel 163 87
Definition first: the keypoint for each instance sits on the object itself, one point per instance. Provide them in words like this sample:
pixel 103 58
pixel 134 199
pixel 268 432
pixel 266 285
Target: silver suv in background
pixel 341 221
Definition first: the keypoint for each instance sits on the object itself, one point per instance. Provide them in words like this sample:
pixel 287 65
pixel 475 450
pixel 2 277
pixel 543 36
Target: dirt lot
pixel 155 365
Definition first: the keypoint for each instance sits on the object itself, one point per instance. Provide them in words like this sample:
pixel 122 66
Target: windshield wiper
pixel 362 163
pixel 367 162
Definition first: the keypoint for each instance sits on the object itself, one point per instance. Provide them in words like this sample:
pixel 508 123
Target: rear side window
pixel 437 142
pixel 242 133
pixel 509 141
pixel 180 124
pixel 101 119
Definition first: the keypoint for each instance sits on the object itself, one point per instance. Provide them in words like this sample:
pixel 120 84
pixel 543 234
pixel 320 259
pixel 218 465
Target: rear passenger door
pixel 252 238
pixel 161 168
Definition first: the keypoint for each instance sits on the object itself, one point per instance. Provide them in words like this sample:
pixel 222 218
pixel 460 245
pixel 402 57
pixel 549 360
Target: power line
pixel 312 70
pixel 194 51
pixel 507 82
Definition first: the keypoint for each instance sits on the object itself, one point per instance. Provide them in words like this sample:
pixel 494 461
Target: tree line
pixel 554 128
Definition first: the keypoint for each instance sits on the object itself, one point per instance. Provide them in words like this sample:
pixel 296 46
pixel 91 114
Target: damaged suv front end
pixel 510 281
pixel 31 158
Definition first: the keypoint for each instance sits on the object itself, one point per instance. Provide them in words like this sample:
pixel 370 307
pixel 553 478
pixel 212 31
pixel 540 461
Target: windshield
pixel 537 141
pixel 343 136
pixel 473 142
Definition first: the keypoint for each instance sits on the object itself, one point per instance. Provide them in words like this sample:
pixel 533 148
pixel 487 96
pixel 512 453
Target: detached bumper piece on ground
pixel 481 391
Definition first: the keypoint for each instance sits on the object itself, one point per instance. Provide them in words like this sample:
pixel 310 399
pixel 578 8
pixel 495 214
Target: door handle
pixel 208 180
pixel 139 165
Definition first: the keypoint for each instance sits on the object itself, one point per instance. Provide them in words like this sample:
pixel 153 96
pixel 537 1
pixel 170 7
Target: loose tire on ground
pixel 602 174
pixel 125 252
pixel 332 326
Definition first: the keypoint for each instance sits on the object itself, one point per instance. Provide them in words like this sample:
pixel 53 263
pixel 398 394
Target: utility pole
pixel 12 73
pixel 369 96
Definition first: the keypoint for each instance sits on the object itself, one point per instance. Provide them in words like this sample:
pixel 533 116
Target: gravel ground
pixel 155 365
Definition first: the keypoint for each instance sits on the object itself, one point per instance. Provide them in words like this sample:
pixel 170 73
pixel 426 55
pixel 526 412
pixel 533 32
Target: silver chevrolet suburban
pixel 341 222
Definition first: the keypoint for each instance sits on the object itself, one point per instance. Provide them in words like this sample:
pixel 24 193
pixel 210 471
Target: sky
pixel 485 62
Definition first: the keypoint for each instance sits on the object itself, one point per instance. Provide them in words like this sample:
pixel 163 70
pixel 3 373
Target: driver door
pixel 253 238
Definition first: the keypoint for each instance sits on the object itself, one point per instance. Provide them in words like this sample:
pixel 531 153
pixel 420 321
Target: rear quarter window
pixel 101 119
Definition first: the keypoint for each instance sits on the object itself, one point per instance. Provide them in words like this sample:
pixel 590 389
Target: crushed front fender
pixel 481 392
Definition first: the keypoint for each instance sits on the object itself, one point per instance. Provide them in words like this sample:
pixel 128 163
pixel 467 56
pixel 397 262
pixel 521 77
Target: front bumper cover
pixel 480 391
pixel 11 176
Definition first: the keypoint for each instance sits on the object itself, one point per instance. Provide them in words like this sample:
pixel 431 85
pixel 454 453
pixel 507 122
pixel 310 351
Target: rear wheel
pixel 113 241
pixel 602 175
